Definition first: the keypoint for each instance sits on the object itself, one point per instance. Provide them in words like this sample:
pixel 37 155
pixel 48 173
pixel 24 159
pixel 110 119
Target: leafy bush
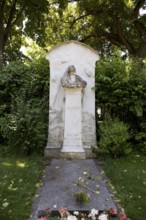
pixel 114 138
pixel 140 139
pixel 121 93
pixel 24 128
pixel 24 105
pixel 120 89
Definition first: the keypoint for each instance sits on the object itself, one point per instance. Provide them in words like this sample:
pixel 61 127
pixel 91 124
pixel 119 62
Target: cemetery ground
pixel 19 180
pixel 21 176
pixel 128 176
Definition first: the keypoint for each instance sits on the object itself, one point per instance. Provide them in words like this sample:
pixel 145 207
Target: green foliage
pixel 121 92
pixel 114 138
pixel 18 19
pixel 113 23
pixel 81 197
pixel 61 26
pixel 97 23
pixel 140 140
pixel 24 126
pixel 24 105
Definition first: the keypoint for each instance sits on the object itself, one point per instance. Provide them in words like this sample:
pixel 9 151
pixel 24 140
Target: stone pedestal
pixel 72 144
pixel 83 58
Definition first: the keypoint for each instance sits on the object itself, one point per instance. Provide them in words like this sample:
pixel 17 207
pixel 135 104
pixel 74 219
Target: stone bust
pixel 70 79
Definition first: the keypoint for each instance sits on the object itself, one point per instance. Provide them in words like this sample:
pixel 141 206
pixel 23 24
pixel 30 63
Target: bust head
pixel 71 70
pixel 71 80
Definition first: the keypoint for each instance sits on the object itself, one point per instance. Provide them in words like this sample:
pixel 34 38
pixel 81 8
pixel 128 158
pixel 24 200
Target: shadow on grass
pixel 20 177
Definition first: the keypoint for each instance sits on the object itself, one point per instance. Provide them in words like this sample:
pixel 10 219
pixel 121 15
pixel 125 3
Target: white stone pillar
pixel 72 144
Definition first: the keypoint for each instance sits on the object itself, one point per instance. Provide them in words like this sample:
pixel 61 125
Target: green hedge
pixel 24 105
pixel 121 93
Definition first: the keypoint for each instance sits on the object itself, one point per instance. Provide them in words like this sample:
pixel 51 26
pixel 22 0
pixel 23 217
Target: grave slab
pixel 60 183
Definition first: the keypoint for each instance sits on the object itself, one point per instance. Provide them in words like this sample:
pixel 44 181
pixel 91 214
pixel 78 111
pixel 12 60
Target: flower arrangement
pixel 94 214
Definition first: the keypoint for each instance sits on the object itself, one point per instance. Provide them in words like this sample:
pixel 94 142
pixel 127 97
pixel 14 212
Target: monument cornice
pixel 75 42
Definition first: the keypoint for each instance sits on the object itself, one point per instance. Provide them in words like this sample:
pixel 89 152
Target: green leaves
pixel 121 92
pixel 129 3
pixel 114 138
pixel 137 110
pixel 81 197
pixel 24 106
pixel 122 82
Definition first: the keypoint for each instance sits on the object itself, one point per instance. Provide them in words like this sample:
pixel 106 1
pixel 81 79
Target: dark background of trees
pixel 99 23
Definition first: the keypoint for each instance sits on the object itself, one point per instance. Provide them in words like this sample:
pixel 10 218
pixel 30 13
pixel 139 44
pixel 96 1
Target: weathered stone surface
pixel 59 186
pixel 72 143
pixel 73 152
pixel 89 130
pixel 83 58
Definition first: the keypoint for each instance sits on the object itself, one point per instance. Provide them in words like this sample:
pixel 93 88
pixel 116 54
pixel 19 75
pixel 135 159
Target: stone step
pixel 73 152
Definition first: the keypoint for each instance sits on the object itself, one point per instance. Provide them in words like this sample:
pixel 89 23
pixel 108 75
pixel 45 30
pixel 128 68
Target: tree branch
pixel 111 37
pixel 82 16
pixel 141 50
pixel 118 38
pixel 114 38
pixel 139 5
pixel 141 28
pixel 11 14
pixel 2 5
pixel 71 1
pixel 118 27
pixel 11 23
pixel 87 187
pixel 88 37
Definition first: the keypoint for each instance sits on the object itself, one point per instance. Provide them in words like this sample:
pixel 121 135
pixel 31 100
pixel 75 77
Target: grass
pixel 128 175
pixel 20 177
pixel 19 180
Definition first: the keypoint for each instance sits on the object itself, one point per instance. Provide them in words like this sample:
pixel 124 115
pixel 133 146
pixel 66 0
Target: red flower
pixel 113 212
pixel 63 212
pixel 62 209
pixel 42 218
pixel 122 216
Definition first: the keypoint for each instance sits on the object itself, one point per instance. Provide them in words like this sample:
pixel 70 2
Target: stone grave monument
pixel 71 130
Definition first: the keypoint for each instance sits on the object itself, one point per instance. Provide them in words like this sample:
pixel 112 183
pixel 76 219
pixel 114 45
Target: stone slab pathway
pixel 59 186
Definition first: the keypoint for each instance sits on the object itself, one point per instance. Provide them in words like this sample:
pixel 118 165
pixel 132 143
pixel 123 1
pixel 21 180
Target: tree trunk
pixel 2 5
pixel 1 52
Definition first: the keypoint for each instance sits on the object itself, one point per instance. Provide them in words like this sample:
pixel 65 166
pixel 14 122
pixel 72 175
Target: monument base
pixel 52 150
pixel 89 152
pixel 55 150
pixel 73 152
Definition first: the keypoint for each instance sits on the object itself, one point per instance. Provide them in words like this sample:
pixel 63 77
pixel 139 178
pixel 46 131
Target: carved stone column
pixel 72 143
